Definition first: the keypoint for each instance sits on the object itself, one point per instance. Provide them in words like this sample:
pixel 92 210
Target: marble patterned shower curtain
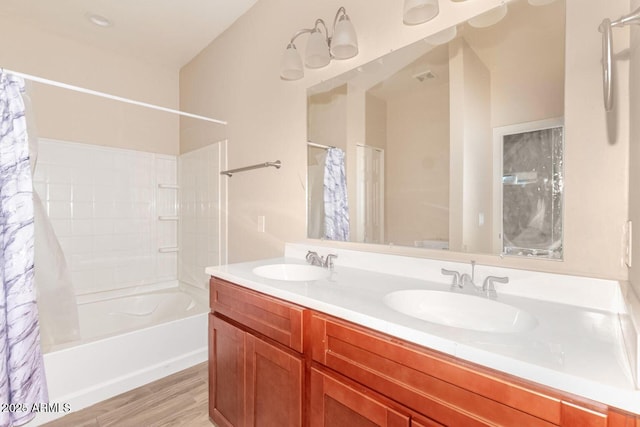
pixel 22 377
pixel 336 209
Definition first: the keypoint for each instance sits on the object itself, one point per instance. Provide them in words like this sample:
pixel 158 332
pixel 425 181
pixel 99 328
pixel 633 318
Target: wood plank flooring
pixel 180 399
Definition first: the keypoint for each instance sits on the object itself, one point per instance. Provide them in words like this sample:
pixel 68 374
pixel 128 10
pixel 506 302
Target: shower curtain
pixel 336 221
pixel 22 377
pixel 57 305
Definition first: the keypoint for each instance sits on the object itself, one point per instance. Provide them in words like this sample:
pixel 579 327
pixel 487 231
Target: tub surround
pixel 116 354
pixel 577 347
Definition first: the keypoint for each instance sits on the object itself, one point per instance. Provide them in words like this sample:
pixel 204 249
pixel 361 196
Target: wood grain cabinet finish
pixel 273 363
pixel 254 380
pixel 445 389
pixel 271 317
pixel 338 404
pixel 226 373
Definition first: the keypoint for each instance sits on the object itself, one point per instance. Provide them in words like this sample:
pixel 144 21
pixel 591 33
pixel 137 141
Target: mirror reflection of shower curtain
pixel 336 209
pixel 56 298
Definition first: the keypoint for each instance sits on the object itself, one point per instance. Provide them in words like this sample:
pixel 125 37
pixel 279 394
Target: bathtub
pixel 126 341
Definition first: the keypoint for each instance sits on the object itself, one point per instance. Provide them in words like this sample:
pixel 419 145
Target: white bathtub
pixel 126 342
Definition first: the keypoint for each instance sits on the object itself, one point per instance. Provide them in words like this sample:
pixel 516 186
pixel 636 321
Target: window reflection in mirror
pixel 417 129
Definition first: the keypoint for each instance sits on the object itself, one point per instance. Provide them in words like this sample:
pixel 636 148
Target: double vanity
pixel 390 340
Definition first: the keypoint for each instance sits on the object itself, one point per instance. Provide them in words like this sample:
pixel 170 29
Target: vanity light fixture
pixel 419 11
pixel 490 17
pixel 321 47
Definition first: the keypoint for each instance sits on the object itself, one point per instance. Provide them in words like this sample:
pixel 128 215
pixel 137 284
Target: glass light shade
pixel 419 11
pixel 291 66
pixel 317 52
pixel 540 2
pixel 489 18
pixel 344 44
pixel 442 37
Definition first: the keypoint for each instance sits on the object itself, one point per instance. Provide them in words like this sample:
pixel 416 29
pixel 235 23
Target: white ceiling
pixel 166 32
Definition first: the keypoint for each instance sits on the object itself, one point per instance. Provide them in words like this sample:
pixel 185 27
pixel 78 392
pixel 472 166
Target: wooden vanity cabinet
pixel 273 363
pixel 256 367
pixel 447 390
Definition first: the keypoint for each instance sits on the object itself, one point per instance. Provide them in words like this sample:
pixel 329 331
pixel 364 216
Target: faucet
pixel 488 289
pixel 467 281
pixel 314 259
pixel 326 262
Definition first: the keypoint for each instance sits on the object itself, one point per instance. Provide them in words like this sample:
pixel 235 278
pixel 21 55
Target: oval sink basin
pixel 291 272
pixel 461 311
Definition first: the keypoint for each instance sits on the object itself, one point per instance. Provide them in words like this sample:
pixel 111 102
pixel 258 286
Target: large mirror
pixel 453 143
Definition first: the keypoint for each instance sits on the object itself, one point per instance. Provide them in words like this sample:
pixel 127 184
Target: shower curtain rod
pixel 109 96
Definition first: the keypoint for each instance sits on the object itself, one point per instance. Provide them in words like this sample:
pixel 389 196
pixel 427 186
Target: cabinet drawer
pixel 434 384
pixel 337 403
pixel 281 321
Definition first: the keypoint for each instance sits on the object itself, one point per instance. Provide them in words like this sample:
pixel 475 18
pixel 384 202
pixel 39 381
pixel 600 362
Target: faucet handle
pixel 313 258
pixel 455 274
pixel 328 261
pixel 489 289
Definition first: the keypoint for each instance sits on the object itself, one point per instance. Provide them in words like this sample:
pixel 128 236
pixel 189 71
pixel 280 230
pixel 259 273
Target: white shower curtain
pixel 22 378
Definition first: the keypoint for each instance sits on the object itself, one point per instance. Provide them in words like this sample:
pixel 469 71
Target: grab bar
pixel 607 53
pixel 168 250
pixel 275 164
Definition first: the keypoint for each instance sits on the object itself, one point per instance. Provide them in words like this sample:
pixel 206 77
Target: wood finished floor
pixel 177 400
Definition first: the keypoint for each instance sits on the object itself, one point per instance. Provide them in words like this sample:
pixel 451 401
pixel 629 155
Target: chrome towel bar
pixel 275 164
pixel 607 53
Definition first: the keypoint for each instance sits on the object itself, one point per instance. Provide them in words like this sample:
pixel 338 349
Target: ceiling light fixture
pixel 98 20
pixel 321 47
pixel 419 11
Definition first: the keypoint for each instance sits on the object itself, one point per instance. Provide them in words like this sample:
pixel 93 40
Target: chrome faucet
pixel 466 282
pixel 456 277
pixel 469 279
pixel 488 289
pixel 314 259
pixel 326 262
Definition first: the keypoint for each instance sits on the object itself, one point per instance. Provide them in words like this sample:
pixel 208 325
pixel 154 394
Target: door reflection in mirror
pixel 532 185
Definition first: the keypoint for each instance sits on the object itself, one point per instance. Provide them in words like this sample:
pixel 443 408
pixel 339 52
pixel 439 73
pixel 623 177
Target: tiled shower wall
pixel 110 213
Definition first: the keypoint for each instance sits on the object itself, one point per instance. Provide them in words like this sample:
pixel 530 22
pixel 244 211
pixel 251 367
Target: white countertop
pixel 576 349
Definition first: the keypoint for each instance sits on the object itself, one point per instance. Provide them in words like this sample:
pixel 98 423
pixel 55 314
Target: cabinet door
pixel 226 373
pixel 274 385
pixel 334 403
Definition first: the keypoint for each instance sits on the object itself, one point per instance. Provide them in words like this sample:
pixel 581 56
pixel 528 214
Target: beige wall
pixel 237 79
pixel 67 116
pixel 327 112
pixel 471 150
pixel 417 165
pixel 634 161
pixel 376 122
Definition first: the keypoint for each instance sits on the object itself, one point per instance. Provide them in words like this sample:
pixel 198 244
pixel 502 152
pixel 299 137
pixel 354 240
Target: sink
pixel 461 311
pixel 291 272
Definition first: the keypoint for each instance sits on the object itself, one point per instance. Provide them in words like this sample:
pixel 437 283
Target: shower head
pixel 631 19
